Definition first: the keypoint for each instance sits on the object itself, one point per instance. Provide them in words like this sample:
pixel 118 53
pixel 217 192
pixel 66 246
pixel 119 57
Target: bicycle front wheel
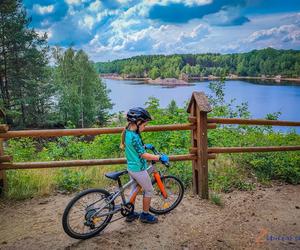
pixel 174 189
pixel 87 214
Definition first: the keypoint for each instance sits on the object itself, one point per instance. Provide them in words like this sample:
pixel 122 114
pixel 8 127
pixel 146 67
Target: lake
pixel 262 98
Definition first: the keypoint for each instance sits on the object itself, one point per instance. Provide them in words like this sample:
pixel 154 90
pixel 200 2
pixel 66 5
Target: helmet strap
pixel 138 127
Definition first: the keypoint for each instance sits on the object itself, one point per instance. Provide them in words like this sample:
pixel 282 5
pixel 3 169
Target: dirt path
pixel 195 224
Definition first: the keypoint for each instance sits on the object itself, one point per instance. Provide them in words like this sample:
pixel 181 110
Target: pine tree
pixel 23 67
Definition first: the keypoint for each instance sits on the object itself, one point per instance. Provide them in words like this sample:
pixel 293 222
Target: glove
pixel 149 146
pixel 164 159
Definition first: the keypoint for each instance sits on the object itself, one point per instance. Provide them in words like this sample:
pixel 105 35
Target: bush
pixel 72 180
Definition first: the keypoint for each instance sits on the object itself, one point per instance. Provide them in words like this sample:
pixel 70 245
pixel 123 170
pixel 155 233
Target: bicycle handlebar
pixel 167 164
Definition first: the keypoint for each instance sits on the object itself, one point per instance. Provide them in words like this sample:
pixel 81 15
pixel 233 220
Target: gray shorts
pixel 144 180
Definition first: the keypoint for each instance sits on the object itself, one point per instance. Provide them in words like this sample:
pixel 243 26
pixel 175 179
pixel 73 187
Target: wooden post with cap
pixel 3 129
pixel 199 107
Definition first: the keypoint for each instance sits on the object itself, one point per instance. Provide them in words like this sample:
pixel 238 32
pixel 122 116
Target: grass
pixel 224 176
pixel 216 199
pixel 23 184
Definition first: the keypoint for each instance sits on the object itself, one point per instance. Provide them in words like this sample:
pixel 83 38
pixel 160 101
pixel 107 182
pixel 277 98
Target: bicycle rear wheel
pixel 174 189
pixel 79 220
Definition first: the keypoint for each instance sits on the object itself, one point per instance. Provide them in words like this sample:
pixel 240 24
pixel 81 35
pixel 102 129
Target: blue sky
pixel 112 29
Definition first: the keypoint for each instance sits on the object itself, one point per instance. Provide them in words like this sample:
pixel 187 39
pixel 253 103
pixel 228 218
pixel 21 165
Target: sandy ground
pixel 247 221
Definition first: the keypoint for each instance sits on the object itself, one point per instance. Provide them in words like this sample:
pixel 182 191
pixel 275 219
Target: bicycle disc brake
pixel 127 209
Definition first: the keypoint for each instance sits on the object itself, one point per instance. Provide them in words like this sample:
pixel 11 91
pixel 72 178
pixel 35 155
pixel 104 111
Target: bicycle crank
pixel 127 209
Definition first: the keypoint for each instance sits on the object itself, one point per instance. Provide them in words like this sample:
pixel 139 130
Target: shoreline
pixel 191 79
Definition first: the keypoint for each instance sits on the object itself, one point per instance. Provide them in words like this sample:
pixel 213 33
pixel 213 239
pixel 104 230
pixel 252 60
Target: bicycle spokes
pixel 85 215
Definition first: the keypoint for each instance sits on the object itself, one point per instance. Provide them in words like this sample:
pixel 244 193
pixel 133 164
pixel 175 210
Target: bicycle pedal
pixel 166 205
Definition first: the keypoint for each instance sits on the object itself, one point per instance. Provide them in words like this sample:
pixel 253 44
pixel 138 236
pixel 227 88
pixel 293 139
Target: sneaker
pixel 148 218
pixel 131 217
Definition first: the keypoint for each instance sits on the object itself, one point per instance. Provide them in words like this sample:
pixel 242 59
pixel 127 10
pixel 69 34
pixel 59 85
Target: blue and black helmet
pixel 138 114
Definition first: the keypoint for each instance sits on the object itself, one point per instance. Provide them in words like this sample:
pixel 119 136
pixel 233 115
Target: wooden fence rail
pixel 199 153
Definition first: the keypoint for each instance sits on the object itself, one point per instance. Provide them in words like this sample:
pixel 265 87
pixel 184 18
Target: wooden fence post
pixel 199 107
pixel 3 129
pixel 3 182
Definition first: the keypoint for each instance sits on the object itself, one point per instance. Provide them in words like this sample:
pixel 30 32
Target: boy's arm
pixel 150 157
pixel 138 146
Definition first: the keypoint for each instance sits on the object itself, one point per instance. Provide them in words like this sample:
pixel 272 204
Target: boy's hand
pixel 149 146
pixel 164 159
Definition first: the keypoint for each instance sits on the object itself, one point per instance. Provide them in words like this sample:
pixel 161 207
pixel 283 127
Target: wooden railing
pixel 199 153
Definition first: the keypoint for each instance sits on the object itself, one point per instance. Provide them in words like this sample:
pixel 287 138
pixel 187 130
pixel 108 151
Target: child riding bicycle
pixel 136 155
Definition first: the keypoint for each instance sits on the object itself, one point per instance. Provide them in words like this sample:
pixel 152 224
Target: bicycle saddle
pixel 115 175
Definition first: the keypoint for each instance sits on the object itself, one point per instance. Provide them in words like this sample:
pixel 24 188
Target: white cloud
pixel 95 6
pixel 287 32
pixel 88 22
pixel 185 2
pixel 43 9
pixel 196 2
pixel 225 17
pixel 197 34
pixel 284 33
pixel 70 2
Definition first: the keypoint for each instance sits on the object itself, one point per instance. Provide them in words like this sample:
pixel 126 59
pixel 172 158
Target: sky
pixel 114 29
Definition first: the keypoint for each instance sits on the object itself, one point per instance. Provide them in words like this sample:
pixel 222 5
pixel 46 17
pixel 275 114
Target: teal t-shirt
pixel 133 149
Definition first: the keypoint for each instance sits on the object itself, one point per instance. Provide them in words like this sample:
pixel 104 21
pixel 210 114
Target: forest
pixel 268 62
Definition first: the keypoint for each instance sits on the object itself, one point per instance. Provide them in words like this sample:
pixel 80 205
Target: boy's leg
pixel 146 204
pixel 144 180
pixel 134 188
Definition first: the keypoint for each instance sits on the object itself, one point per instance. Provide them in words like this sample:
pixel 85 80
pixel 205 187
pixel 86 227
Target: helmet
pixel 138 114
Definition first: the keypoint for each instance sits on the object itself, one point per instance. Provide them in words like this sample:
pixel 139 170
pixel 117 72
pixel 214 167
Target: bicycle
pixel 97 214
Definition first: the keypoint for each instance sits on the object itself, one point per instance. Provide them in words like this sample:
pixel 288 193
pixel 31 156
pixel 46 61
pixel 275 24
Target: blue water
pixel 261 98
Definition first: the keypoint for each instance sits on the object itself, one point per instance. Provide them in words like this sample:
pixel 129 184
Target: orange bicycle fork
pixel 160 184
pixel 161 187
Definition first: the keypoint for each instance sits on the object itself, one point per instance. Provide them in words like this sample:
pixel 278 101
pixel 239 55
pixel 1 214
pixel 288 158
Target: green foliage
pixel 72 180
pixel 24 75
pixel 20 184
pixel 182 170
pixel 81 94
pixel 154 73
pixel 227 178
pixel 21 149
pixel 216 199
pixel 268 62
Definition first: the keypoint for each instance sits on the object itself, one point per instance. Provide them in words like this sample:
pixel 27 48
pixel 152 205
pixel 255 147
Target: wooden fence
pixel 199 153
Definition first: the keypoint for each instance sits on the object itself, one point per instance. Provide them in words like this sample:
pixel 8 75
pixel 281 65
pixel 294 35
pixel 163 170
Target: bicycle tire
pixel 68 230
pixel 178 200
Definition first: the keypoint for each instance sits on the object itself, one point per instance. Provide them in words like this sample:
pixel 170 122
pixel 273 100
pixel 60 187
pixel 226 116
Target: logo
pixel 261 237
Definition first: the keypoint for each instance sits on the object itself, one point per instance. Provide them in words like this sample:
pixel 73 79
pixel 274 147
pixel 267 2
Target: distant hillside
pixel 268 62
